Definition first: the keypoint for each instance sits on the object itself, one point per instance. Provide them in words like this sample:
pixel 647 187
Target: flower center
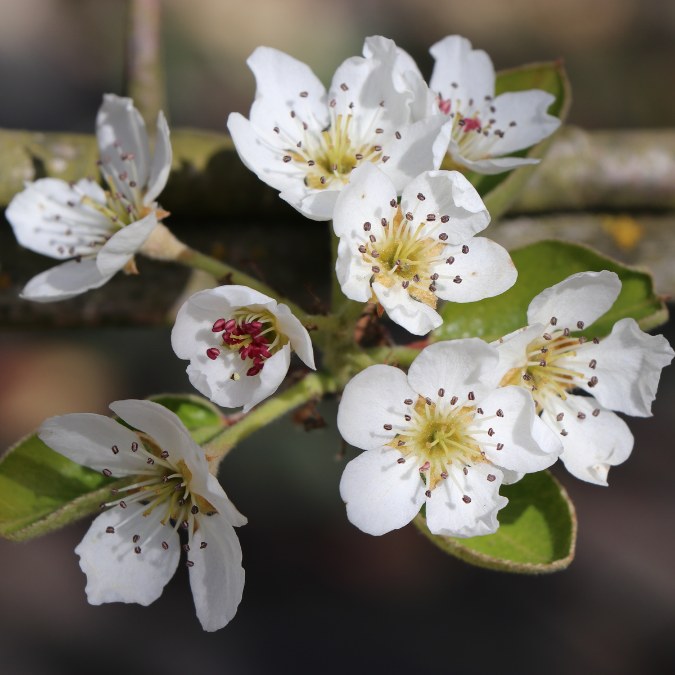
pixel 472 126
pixel 165 486
pixel 251 333
pixel 403 255
pixel 329 156
pixel 438 436
pixel 544 374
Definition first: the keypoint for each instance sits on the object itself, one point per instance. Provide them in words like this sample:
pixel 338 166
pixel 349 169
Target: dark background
pixel 322 597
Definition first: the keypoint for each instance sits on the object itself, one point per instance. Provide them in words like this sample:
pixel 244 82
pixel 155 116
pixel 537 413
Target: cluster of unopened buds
pixel 384 156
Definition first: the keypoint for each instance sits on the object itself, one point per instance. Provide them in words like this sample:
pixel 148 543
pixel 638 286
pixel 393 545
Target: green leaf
pixel 203 420
pixel 536 535
pixel 541 265
pixel 40 490
pixel 499 191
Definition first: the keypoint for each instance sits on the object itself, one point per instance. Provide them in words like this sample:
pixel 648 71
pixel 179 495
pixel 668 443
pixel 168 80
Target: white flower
pixel 485 127
pixel 410 255
pixel 305 142
pixel 132 550
pixel 239 344
pixel 621 371
pixel 443 435
pixel 96 231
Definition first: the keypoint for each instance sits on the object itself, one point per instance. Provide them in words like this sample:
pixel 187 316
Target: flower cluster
pixel 389 159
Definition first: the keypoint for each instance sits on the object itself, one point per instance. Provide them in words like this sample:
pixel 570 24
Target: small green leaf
pixel 41 490
pixel 541 265
pixel 536 535
pixel 499 191
pixel 203 420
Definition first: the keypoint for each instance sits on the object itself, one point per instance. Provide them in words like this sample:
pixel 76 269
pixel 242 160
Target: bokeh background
pixel 321 597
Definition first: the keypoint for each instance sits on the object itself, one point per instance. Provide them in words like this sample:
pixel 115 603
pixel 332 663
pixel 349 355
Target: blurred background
pixel 321 597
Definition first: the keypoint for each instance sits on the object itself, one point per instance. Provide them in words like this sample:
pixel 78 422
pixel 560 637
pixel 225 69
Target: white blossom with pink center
pixel 239 344
pixel 485 127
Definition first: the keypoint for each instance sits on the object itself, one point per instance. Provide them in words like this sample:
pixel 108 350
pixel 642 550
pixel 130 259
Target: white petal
pixel 216 575
pixel 48 217
pixel 523 448
pixel 512 348
pixel 161 162
pixel 367 199
pixel 313 204
pixel 299 338
pixel 492 165
pixel 214 378
pixel 360 85
pixel 163 426
pixel 115 573
pixel 470 69
pixel 627 365
pixel 120 130
pixel 353 272
pixel 381 495
pixel 420 147
pixel 263 155
pixel 64 281
pixel 485 270
pixel 89 440
pixel 122 246
pixel 446 193
pixel 415 316
pixel 593 443
pixel 528 110
pixel 466 505
pixel 372 399
pixel 581 297
pixel 280 81
pixel 406 74
pixel 457 366
pixel 214 493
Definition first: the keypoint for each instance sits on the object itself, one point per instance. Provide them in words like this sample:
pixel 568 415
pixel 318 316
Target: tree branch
pixel 583 170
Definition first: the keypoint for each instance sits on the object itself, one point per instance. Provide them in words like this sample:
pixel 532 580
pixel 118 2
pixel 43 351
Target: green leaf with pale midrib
pixel 540 266
pixel 41 490
pixel 537 531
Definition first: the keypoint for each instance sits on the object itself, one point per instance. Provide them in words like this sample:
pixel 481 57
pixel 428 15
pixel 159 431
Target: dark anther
pixel 450 260
pixel 465 249
pixel 445 219
pixel 107 472
pixel 443 237
pixel 115 449
pixel 366 226
pixel 388 427
pixel 203 545
pixel 563 432
pixel 137 550
pixel 560 416
pixel 165 546
pixel 466 499
pixel 110 529
pixel 408 401
pixel 581 416
pixel 593 381
pixel 134 446
pixel 596 412
pixel 491 432
pixel 491 477
pixel 592 363
pixel 472 396
pixel 500 446
pixel 441 392
pixel 453 400
pixel 428 494
pixel 500 413
pixel 554 321
pixel 420 196
pixel 580 324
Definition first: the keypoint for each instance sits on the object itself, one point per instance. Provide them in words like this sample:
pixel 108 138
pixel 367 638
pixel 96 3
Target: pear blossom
pixel 444 436
pixel 304 141
pixel 407 256
pixel 132 549
pixel 485 127
pixel 619 372
pixel 239 344
pixel 95 231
